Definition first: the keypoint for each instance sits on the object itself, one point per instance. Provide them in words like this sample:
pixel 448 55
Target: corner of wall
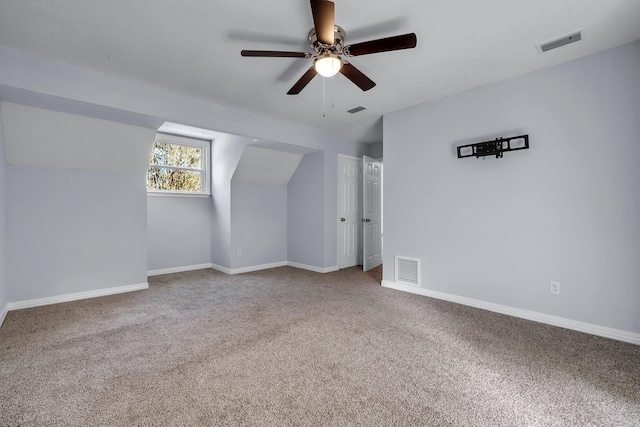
pixel 3 313
pixel 3 222
pixel 375 150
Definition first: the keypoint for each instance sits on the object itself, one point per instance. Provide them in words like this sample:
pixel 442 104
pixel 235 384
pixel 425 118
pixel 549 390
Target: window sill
pixel 176 194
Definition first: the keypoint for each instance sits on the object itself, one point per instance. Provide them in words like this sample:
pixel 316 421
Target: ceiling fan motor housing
pixel 340 36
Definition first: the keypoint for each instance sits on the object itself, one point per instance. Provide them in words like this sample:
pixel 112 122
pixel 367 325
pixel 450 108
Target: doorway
pixel 372 213
pixel 359 212
pixel 349 211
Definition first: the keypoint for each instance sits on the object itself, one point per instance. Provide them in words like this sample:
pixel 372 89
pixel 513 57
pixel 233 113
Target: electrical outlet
pixel 554 288
pixel 239 252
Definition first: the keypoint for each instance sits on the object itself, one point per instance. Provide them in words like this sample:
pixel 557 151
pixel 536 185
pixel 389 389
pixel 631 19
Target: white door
pixel 349 172
pixel 372 213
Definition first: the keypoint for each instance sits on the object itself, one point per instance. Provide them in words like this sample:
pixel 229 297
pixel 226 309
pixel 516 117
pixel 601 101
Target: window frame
pixel 205 170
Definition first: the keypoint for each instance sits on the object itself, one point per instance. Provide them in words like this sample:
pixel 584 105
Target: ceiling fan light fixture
pixel 328 64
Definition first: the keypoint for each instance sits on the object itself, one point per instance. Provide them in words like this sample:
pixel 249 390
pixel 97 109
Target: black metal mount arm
pixel 495 147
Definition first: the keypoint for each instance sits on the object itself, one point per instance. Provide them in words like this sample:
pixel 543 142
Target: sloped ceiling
pixel 41 138
pixel 265 162
pixel 265 166
pixel 194 48
pixel 188 131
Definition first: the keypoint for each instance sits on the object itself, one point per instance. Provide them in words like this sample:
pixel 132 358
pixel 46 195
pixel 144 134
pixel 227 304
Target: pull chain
pixel 332 103
pixel 323 98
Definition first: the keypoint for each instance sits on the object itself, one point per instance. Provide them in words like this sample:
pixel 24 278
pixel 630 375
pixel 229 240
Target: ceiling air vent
pixel 357 109
pixel 564 40
pixel 408 271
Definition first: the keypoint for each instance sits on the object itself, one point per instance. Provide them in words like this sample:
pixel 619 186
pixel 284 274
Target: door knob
pixel 342 220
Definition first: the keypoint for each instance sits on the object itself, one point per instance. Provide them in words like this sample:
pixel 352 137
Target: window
pixel 178 166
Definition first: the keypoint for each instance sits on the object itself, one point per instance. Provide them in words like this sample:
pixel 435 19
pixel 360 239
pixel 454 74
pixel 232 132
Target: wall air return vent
pixel 408 271
pixel 561 41
pixel 357 109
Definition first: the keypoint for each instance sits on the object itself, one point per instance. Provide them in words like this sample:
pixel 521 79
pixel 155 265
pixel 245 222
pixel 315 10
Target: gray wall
pixel 247 216
pixel 226 151
pixel 77 216
pixel 375 150
pixel 179 231
pixel 304 209
pixel 259 224
pixel 567 209
pixel 74 231
pixel 3 220
pixel 305 231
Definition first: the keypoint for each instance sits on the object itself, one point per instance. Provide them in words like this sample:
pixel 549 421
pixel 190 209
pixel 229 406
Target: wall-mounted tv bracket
pixel 496 147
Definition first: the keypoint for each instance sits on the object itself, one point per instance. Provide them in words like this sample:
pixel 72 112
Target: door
pixel 349 182
pixel 372 213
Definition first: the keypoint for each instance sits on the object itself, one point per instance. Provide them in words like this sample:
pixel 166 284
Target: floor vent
pixel 408 271
pixel 564 40
pixel 357 109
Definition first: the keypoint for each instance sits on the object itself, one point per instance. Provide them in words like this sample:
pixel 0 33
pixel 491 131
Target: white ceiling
pixel 193 47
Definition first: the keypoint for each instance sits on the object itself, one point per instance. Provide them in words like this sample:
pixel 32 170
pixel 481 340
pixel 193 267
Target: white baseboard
pixel 562 322
pixel 3 313
pixel 250 268
pixel 258 267
pixel 178 269
pixel 75 296
pixel 313 267
pixel 274 265
pixel 221 268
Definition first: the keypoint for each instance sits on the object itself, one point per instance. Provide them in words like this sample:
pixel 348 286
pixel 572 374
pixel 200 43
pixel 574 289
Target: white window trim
pixel 160 193
pixel 206 166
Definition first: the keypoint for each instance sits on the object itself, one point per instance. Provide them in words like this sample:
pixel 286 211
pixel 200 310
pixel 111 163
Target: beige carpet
pixel 287 347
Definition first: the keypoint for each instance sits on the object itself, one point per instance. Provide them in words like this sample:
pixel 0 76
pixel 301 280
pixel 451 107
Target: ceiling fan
pixel 328 43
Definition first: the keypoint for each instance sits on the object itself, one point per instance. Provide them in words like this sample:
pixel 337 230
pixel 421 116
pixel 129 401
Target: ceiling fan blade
pixel 405 41
pixel 324 20
pixel 356 76
pixel 304 80
pixel 275 53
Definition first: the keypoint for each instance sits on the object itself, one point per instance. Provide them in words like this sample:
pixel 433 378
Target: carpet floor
pixel 288 347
